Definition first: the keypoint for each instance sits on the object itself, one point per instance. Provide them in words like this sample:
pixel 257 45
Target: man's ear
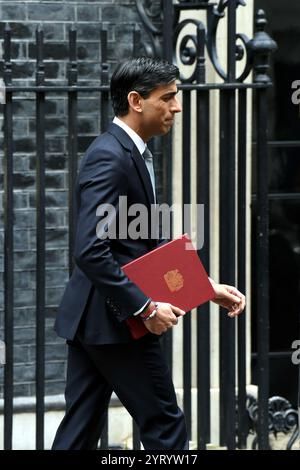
pixel 135 101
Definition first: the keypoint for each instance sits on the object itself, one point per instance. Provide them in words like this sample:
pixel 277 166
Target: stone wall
pixel 55 18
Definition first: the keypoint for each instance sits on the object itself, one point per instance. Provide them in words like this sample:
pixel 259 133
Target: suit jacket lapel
pixel 143 172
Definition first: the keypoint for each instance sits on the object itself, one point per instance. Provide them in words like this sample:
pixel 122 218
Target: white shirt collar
pixel 140 144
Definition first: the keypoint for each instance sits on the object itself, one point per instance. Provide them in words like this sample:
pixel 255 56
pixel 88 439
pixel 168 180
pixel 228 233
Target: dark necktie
pixel 148 157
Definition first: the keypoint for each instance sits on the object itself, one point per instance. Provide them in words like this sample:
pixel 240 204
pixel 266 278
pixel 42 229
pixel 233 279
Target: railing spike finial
pixel 72 65
pixel 104 63
pixel 260 20
pixel 261 47
pixel 7 55
pixel 40 68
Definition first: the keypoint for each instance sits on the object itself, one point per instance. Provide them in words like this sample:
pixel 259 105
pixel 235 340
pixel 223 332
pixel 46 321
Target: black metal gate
pixel 193 49
pixel 192 43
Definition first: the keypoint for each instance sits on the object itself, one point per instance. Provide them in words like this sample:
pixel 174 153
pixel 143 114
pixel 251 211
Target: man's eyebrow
pixel 169 93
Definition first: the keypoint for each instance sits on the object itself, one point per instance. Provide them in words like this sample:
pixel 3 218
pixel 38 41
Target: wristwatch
pixel 149 312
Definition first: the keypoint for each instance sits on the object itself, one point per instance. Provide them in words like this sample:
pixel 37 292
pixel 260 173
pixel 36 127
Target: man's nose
pixel 176 106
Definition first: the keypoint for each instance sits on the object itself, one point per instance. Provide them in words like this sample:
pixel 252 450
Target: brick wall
pixel 56 17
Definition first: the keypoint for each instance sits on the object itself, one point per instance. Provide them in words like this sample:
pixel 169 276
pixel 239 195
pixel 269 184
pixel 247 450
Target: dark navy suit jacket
pixel 98 288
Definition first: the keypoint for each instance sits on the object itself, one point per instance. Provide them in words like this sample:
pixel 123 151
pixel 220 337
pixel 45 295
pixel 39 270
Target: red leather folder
pixel 171 273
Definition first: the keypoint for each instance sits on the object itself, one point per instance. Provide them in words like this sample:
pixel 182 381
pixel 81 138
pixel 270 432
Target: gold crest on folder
pixel 174 280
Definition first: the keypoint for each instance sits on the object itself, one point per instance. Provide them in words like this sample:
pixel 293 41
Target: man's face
pixel 158 111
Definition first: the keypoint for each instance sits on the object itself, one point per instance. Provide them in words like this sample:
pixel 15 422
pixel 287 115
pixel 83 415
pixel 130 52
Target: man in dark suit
pixel 102 356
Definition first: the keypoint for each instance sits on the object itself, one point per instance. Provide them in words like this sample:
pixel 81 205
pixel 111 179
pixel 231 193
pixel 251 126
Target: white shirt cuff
pixel 141 309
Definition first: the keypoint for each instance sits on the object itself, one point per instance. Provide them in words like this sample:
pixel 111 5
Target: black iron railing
pixel 193 49
pixel 41 90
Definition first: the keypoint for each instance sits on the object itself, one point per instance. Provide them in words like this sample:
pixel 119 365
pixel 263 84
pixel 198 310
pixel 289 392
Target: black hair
pixel 142 75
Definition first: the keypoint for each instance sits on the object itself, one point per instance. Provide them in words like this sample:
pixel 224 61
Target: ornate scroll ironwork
pixel 282 418
pixel 150 13
pixel 189 47
pixel 255 52
pixel 216 14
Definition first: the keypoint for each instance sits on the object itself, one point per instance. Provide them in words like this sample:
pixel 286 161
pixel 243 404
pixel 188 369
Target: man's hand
pixel 165 318
pixel 229 297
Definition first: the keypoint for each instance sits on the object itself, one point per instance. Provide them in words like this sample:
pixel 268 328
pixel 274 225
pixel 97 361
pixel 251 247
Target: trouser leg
pixel 87 398
pixel 139 375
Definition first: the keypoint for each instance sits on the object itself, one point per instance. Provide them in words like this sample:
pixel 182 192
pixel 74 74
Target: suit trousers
pixel 138 374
